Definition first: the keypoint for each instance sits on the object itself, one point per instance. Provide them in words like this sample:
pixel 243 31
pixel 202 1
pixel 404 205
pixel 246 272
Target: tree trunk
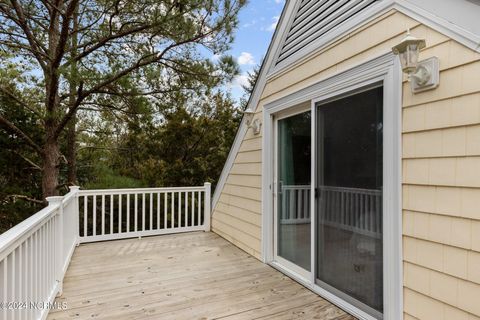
pixel 51 165
pixel 72 152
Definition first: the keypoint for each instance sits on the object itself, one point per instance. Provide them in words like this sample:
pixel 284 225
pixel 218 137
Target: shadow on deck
pixel 183 276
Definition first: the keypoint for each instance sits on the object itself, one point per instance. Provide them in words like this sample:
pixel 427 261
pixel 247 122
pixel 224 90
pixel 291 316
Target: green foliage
pixel 189 147
pixel 104 177
pixel 19 173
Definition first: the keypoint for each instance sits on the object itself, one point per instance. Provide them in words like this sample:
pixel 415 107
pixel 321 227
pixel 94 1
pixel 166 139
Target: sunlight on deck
pixel 184 276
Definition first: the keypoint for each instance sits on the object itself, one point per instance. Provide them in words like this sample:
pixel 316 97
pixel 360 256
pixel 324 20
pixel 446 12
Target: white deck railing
pixel 117 214
pixel 35 254
pixel 295 204
pixel 351 209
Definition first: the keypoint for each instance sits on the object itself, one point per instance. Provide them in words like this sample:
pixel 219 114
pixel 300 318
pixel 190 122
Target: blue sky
pixel 257 24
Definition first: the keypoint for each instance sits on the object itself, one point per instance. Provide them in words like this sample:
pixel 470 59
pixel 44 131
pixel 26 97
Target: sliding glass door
pixel 349 168
pixel 293 226
pixel 348 197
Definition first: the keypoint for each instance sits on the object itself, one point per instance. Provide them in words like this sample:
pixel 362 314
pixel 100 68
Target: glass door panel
pixel 349 169
pixel 293 189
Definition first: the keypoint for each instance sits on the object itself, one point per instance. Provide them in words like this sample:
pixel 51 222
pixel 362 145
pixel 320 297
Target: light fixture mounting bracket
pixel 427 75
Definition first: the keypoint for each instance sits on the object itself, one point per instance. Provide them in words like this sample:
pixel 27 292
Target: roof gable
pixel 457 19
pixel 313 19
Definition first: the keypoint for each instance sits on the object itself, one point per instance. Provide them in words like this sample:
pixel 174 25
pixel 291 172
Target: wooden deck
pixel 184 276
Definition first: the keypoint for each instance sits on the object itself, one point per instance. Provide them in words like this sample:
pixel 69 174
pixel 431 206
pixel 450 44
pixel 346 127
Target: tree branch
pixel 10 127
pixel 14 197
pixel 23 24
pixel 33 164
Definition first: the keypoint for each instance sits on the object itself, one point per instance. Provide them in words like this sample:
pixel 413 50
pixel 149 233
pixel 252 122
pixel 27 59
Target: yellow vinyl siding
pixel 441 167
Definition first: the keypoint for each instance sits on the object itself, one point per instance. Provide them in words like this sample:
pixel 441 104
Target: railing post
pixel 207 202
pixel 52 201
pixel 75 190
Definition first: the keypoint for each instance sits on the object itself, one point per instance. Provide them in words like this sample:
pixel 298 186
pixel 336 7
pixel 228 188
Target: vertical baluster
pixel 45 258
pixel 364 197
pixel 35 270
pixel 299 204
pixel 4 284
pixel 103 214
pixel 158 210
pixel 179 209
pixel 378 214
pixel 172 211
pixel 136 212
pixel 165 205
pixel 353 206
pixel 111 213
pixel 12 287
pixel 151 211
pixel 51 254
pixel 23 296
pixel 128 212
pixel 94 215
pixel 361 205
pixel 41 267
pixel 373 210
pixel 143 211
pixel 306 200
pixel 193 208
pixel 19 296
pixel 46 248
pixel 186 209
pixel 199 208
pixel 358 198
pixel 120 220
pixel 28 282
pixel 291 213
pixel 85 216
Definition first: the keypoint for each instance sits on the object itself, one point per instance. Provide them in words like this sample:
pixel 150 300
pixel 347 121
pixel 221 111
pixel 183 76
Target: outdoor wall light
pixel 254 124
pixel 423 75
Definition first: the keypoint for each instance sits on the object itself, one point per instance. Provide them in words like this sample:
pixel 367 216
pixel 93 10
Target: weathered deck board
pixel 185 276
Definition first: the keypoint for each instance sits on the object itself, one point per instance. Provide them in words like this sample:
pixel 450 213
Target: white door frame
pixel 384 69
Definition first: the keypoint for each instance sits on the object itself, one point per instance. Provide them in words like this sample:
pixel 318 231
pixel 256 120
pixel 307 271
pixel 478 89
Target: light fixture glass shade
pixel 408 51
pixel 409 58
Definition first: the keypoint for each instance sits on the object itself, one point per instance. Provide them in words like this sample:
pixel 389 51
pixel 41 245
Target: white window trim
pixel 384 69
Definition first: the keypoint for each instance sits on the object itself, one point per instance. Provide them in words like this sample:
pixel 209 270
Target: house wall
pixel 441 168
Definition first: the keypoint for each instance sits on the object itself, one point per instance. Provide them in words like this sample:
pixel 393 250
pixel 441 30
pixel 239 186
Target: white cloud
pixel 240 81
pixel 249 24
pixel 246 58
pixel 278 1
pixel 274 23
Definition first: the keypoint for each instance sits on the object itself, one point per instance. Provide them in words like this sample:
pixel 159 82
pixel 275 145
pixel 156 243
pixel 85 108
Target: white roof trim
pixel 440 24
pixel 268 69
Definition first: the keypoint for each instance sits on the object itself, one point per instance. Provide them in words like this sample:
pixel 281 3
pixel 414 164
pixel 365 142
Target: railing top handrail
pixel 296 187
pixel 138 190
pixel 9 239
pixel 353 190
pixel 333 188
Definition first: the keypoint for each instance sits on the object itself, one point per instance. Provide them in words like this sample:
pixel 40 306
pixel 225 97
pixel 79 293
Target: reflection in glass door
pixel 349 169
pixel 293 189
